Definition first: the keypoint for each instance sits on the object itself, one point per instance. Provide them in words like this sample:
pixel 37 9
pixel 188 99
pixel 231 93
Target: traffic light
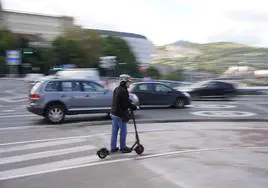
pixel 28 52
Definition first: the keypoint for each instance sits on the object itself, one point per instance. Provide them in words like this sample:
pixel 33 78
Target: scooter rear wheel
pixel 139 149
pixel 102 153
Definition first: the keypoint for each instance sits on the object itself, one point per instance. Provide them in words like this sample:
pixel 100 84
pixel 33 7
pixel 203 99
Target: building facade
pixel 140 45
pixel 46 28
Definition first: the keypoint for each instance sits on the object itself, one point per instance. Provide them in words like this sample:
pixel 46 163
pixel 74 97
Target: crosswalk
pixel 20 160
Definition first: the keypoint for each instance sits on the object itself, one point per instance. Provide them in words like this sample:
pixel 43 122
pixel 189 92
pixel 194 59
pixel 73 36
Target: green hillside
pixel 215 57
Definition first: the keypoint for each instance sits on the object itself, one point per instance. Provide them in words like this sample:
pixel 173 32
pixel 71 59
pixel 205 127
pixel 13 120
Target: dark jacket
pixel 121 102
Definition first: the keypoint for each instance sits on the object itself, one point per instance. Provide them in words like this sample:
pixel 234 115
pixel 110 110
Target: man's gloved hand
pixel 134 107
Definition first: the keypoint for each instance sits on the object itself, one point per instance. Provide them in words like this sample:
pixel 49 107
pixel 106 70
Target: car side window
pixel 52 86
pixel 143 87
pixel 92 87
pixel 161 88
pixel 212 85
pixel 70 86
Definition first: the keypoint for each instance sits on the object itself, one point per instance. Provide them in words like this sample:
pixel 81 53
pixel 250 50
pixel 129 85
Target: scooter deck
pixel 118 152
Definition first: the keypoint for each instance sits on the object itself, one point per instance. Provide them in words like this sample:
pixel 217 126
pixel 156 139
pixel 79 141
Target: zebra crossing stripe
pixel 40 145
pixel 39 155
pixel 89 161
pixel 32 170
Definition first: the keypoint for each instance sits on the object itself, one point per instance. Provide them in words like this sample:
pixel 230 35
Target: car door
pixel 228 89
pixel 71 95
pixel 162 94
pixel 97 97
pixel 213 89
pixel 144 93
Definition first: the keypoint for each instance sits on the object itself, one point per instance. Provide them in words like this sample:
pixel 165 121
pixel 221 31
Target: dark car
pixel 158 94
pixel 174 84
pixel 211 89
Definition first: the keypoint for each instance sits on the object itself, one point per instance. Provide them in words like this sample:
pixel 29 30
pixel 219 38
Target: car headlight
pixel 187 94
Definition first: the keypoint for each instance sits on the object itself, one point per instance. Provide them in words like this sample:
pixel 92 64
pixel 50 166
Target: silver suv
pixel 56 97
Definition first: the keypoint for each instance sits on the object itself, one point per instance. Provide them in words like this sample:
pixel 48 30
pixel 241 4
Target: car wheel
pixel 55 114
pixel 180 103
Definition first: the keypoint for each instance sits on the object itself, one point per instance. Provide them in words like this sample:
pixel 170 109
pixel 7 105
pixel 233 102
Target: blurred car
pixel 80 73
pixel 210 89
pixel 73 73
pixel 174 84
pixel 56 97
pixel 33 77
pixel 158 94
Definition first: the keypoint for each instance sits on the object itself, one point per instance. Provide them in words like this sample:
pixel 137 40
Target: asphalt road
pixel 13 113
pixel 203 155
pixel 196 154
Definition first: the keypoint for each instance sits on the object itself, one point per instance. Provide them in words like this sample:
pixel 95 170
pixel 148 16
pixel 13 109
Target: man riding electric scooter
pixel 120 114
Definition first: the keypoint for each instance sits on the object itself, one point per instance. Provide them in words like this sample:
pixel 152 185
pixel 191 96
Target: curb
pixel 182 121
pixel 16 79
pixel 262 95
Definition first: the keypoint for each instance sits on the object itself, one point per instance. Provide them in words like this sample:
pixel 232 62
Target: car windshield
pixel 199 84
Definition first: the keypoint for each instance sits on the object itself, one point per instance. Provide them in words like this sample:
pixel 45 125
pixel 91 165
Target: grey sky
pixel 164 21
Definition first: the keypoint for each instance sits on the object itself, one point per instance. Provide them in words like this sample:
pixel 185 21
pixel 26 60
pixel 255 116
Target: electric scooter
pixel 137 146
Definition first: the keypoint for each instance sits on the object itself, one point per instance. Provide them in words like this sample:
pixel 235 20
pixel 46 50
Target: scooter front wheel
pixel 102 153
pixel 139 149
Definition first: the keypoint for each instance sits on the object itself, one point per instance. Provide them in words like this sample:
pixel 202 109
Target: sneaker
pixel 126 150
pixel 115 150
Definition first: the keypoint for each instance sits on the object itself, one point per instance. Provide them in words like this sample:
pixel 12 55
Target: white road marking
pixel 212 106
pixel 40 145
pixel 18 115
pixel 141 131
pixel 20 128
pixel 6 111
pixel 10 174
pixel 10 91
pixel 52 139
pixel 50 153
pixel 223 114
pixel 14 100
pixel 93 161
pixel 257 107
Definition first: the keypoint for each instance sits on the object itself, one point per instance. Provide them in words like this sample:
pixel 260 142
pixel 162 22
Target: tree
pixel 125 59
pixel 67 51
pixel 79 47
pixel 7 41
pixel 89 43
pixel 152 72
pixel 93 47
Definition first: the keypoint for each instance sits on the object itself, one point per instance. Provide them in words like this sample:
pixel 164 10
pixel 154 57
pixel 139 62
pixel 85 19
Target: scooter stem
pixel 135 127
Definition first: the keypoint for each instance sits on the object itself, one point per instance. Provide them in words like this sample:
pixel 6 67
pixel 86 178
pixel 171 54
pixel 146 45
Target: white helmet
pixel 124 77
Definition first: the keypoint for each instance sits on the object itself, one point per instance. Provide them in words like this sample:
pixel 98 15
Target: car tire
pixel 179 103
pixel 55 114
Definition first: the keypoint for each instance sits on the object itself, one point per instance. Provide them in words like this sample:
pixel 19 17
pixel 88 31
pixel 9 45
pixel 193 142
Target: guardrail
pixel 253 88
